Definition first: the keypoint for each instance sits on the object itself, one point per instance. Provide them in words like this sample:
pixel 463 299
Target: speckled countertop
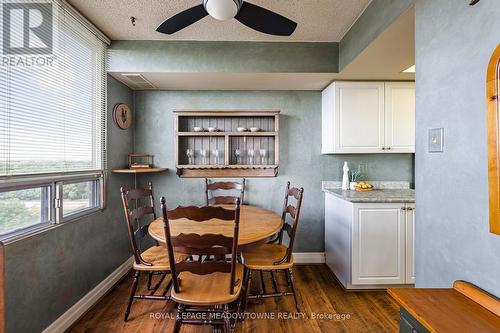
pixel 396 195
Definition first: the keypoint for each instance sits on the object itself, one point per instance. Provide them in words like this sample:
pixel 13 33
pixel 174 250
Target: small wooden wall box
pixel 140 161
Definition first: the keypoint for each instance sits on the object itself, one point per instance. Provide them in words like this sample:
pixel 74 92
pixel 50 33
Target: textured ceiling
pixel 318 20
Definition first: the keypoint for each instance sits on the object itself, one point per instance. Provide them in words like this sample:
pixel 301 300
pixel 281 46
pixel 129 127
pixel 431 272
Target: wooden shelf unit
pixel 226 140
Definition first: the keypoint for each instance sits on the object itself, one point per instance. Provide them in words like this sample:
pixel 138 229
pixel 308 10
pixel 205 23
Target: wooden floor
pixel 320 294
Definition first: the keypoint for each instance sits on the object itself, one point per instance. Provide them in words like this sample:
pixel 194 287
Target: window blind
pixel 52 114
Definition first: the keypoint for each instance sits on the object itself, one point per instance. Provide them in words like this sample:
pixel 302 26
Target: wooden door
pixel 378 253
pixel 400 117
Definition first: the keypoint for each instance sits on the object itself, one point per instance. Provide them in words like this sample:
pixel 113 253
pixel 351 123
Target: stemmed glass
pixel 190 155
pixel 215 152
pixel 204 154
pixel 251 154
pixel 263 156
pixel 237 153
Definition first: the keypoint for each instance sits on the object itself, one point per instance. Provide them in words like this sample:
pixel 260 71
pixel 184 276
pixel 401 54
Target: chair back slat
pixel 211 199
pixel 291 210
pixel 225 186
pixel 203 268
pixel 138 193
pixel 294 212
pixel 204 244
pixel 140 212
pixel 133 215
pixel 222 200
pixel 200 214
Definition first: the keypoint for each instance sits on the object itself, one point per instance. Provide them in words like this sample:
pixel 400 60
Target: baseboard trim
pixel 83 305
pixel 309 257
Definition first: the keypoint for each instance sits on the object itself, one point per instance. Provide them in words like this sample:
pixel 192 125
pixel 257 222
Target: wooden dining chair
pixel 210 188
pixel 274 256
pixel 154 260
pixel 204 289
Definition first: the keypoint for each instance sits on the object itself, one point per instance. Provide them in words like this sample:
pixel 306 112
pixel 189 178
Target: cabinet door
pixel 359 117
pixel 400 117
pixel 378 254
pixel 410 244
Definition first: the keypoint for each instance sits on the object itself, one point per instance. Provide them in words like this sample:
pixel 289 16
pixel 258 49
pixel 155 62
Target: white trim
pixel 309 257
pixel 83 305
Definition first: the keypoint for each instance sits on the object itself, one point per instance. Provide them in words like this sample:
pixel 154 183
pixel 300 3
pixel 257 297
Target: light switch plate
pixel 436 140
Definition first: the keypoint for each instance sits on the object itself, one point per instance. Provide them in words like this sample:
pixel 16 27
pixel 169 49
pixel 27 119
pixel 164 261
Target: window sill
pixel 22 234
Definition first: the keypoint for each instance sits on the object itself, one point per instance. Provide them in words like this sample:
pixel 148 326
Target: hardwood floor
pixel 372 311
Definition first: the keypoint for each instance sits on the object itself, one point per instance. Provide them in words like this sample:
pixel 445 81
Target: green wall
pixel 301 161
pixel 231 57
pixel 454 44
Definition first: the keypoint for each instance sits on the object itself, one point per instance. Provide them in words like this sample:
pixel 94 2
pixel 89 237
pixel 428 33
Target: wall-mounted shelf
pixel 226 142
pixel 135 171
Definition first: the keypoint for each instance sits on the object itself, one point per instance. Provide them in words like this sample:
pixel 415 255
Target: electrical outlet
pixel 436 140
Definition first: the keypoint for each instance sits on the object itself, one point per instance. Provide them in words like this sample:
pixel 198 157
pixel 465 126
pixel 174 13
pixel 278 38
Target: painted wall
pixel 47 273
pixel 377 17
pixel 454 43
pixel 301 161
pixel 230 57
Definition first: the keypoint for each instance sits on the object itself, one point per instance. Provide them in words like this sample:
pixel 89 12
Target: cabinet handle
pixel 383 148
pixel 388 148
pixel 403 208
pixel 410 208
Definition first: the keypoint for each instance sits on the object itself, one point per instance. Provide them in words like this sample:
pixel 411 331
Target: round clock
pixel 122 116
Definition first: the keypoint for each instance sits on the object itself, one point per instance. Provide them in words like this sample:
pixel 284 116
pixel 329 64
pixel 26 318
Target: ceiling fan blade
pixel 183 19
pixel 264 20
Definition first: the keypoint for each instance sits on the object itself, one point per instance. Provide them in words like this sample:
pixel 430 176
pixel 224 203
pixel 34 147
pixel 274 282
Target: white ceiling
pixel 318 20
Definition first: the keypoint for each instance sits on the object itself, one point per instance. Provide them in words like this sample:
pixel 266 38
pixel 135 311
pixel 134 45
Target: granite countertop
pixel 385 195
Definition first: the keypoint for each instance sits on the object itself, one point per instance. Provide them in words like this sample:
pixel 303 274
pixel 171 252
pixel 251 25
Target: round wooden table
pixel 257 225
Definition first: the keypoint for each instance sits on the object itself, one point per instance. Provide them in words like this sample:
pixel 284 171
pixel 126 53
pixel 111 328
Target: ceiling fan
pixel 252 16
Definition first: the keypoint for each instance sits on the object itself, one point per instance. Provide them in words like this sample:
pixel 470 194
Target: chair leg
pixel 132 293
pixel 262 283
pixel 150 277
pixel 227 319
pixel 247 288
pixel 178 319
pixel 292 286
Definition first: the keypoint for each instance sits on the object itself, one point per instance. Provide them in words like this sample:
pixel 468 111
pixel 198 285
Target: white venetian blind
pixel 52 116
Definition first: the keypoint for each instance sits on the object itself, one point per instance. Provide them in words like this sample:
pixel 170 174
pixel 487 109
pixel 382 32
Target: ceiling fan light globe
pixel 222 9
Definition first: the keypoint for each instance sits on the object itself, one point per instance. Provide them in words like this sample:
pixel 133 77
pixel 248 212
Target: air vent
pixel 137 81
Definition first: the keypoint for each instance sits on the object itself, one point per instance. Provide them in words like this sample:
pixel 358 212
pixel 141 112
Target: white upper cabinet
pixel 368 117
pixel 400 117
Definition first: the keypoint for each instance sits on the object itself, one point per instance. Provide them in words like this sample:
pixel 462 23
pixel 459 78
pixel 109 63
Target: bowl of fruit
pixel 364 187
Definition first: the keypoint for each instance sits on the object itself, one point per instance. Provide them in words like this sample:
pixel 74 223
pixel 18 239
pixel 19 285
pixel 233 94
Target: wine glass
pixel 251 154
pixel 215 153
pixel 263 156
pixel 237 153
pixel 190 155
pixel 204 155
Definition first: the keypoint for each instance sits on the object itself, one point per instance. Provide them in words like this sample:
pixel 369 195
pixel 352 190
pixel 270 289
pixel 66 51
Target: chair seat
pixel 263 257
pixel 156 255
pixel 210 289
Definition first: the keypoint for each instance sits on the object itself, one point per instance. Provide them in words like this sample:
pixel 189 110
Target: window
pixel 52 121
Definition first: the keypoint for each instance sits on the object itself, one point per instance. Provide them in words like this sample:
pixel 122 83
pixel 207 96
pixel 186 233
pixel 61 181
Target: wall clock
pixel 122 116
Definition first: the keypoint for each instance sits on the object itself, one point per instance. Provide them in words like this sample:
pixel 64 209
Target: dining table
pixel 257 226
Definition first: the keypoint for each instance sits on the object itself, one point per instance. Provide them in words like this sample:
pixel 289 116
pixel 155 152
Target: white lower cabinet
pixel 369 245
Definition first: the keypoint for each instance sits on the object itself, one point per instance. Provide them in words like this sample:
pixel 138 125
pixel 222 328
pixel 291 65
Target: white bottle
pixel 345 177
